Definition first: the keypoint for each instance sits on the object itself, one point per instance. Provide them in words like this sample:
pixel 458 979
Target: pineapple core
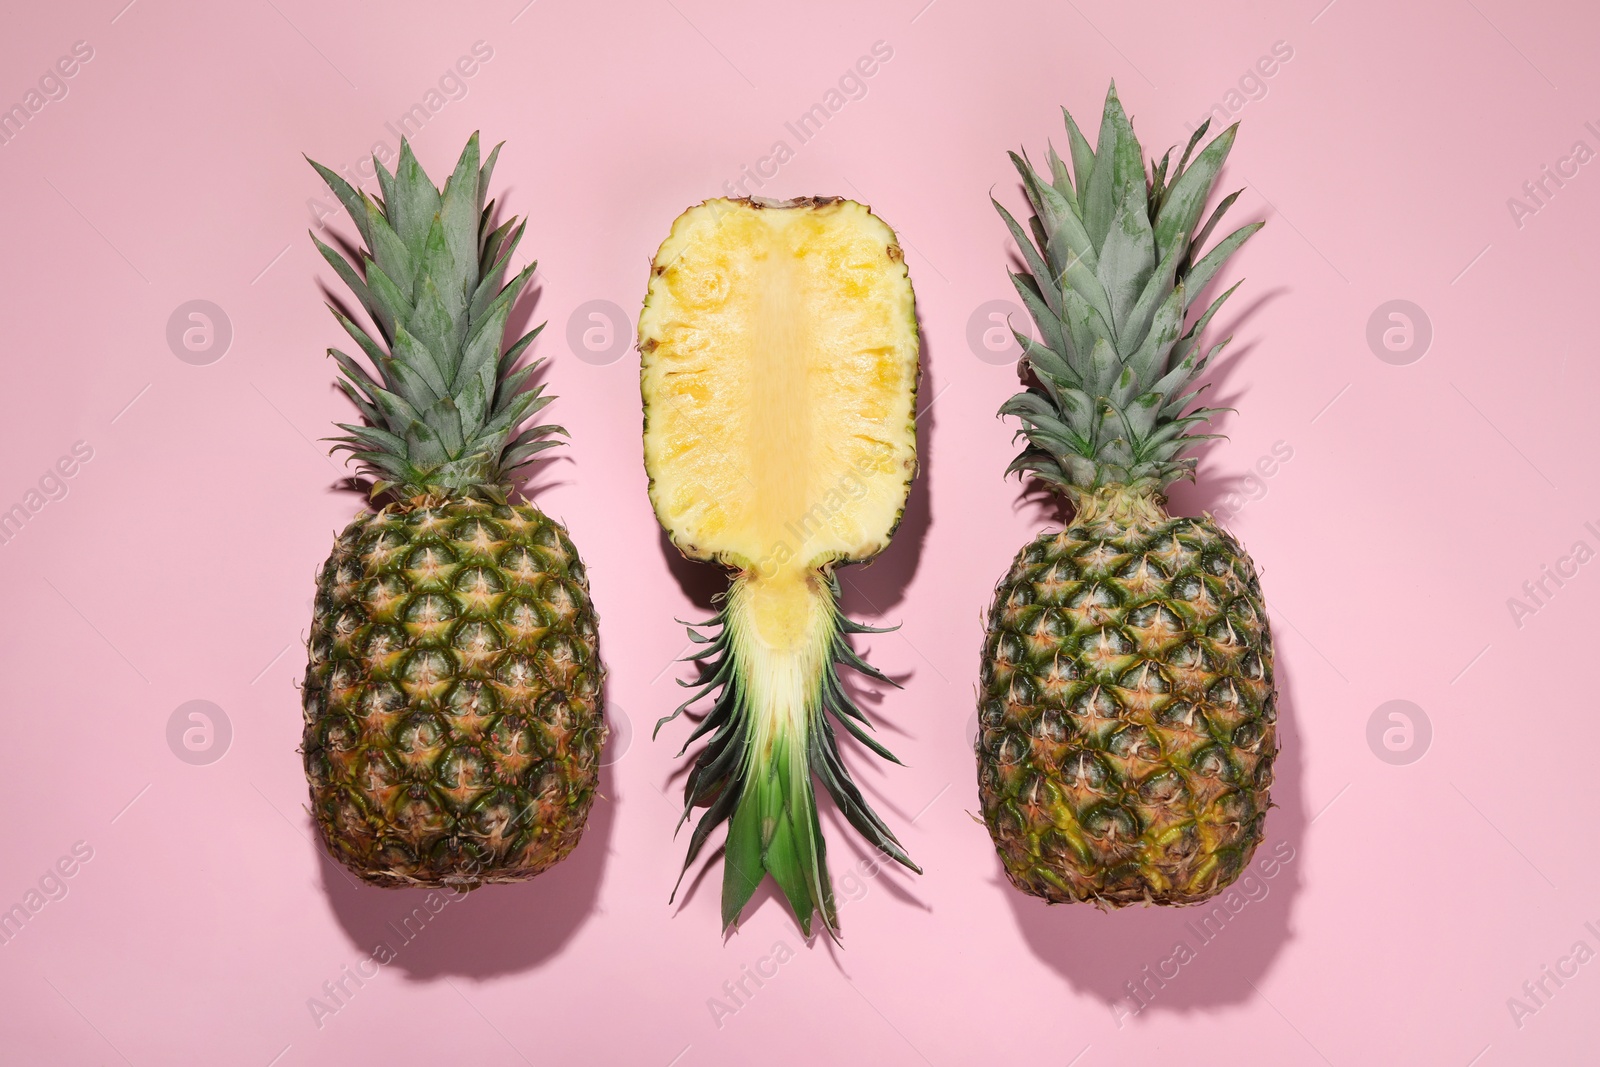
pixel 779 349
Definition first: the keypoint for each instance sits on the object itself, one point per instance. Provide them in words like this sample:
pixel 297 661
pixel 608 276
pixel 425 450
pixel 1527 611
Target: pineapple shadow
pixel 1101 952
pixel 492 931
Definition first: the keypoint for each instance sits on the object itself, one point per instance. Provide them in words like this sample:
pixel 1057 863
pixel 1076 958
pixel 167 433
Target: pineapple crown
pixel 443 415
pixel 1114 262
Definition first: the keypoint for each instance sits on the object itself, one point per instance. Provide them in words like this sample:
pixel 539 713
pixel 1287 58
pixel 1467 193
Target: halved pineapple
pixel 779 366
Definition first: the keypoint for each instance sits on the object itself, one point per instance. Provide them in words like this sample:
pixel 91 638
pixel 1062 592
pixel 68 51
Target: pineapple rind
pixel 1127 713
pixel 453 722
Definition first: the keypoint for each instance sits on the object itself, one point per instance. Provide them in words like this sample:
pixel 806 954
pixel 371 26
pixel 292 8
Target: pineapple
pixel 1127 709
pixel 453 723
pixel 779 366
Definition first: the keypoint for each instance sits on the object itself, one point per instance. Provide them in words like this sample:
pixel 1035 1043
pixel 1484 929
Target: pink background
pixel 1417 500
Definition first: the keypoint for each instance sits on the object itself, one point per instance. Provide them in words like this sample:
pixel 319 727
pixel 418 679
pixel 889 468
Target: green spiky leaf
pixel 1113 255
pixel 446 404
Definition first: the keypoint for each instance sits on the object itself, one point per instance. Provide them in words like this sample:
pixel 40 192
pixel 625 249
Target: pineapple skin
pixel 1127 712
pixel 452 699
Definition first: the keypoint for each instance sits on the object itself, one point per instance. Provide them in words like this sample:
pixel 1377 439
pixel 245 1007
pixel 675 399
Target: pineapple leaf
pixel 1190 190
pixel 432 326
pixel 487 171
pixel 1150 360
pixel 421 380
pixel 385 183
pixel 1216 216
pixel 1030 255
pixel 444 418
pixel 1202 272
pixel 363 403
pixel 742 858
pixel 389 302
pixel 458 217
pixel 1104 366
pixel 353 202
pixel 413 203
pixel 1141 415
pixel 1099 202
pixel 1156 288
pixel 1127 260
pixel 1188 149
pixel 389 251
pixel 1060 178
pixel 1082 158
pixel 1191 338
pixel 480 357
pixel 490 284
pixel 1049 325
pixel 347 274
pixel 375 352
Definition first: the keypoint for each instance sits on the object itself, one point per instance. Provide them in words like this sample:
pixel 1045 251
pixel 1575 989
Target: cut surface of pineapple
pixel 779 372
pixel 779 361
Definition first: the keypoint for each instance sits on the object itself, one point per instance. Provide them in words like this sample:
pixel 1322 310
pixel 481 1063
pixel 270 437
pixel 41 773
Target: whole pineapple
pixel 1127 708
pixel 453 723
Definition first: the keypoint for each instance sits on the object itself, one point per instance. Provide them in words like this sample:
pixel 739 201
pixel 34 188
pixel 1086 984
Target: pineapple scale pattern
pixel 1127 714
pixel 453 722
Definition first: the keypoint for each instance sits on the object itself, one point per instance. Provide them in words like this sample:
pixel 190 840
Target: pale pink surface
pixel 180 565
